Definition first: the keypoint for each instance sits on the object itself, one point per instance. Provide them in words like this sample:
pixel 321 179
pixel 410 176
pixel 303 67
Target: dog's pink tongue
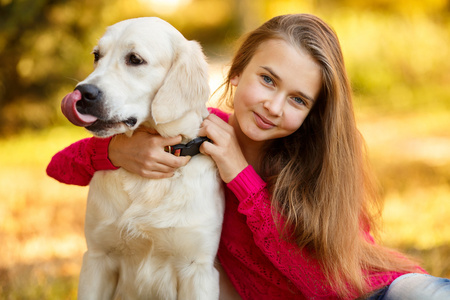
pixel 69 109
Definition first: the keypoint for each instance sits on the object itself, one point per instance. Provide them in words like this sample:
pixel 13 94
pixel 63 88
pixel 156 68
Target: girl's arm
pixel 297 265
pixel 77 163
pixel 142 154
pixel 224 148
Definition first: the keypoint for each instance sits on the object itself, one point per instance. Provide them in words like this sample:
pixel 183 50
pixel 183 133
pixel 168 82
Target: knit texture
pixel 77 163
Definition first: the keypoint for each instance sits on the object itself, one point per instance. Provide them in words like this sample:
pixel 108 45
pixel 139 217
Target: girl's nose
pixel 275 105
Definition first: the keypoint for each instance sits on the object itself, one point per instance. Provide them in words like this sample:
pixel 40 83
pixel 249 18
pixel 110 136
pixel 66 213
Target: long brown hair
pixel 318 176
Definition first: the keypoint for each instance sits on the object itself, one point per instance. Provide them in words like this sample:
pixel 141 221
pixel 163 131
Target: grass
pixel 41 227
pixel 410 154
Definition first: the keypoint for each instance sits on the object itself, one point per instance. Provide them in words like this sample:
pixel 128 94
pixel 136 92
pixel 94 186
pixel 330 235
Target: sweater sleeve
pixel 77 163
pixel 297 265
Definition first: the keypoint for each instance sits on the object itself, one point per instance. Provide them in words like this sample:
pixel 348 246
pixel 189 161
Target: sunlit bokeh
pixel 397 56
pixel 165 7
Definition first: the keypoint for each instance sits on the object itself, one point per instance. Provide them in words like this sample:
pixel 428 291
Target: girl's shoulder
pixel 221 114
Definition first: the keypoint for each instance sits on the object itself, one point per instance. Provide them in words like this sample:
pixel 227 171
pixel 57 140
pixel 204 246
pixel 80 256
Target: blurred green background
pixel 398 57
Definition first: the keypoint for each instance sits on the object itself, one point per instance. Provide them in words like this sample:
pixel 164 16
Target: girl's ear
pixel 235 80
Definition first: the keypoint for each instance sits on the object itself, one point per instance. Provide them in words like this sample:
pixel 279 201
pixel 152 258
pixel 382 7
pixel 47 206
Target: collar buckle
pixel 192 148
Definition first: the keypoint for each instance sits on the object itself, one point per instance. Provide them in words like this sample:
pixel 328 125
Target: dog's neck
pixel 186 126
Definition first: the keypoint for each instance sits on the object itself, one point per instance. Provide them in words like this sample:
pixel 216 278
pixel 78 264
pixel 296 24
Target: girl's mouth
pixel 262 122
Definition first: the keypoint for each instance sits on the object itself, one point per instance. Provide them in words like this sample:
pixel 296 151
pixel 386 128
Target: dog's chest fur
pixel 150 227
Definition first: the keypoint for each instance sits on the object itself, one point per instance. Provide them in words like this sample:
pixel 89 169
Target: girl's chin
pixel 257 135
pixel 254 133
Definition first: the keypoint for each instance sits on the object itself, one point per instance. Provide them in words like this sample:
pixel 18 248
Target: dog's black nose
pixel 89 93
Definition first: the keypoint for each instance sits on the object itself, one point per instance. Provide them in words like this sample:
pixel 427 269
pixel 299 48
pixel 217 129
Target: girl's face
pixel 276 91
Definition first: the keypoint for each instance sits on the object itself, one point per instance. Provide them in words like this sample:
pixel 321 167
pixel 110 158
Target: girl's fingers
pixel 225 149
pixel 144 154
pixel 170 141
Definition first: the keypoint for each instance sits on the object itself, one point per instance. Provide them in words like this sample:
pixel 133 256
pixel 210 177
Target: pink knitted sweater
pixel 259 264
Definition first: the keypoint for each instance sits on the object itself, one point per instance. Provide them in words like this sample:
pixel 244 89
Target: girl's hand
pixel 143 154
pixel 225 149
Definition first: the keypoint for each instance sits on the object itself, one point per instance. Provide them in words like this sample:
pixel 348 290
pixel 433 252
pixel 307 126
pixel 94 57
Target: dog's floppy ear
pixel 185 87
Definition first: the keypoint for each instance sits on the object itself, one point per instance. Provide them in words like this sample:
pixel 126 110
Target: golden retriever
pixel 148 239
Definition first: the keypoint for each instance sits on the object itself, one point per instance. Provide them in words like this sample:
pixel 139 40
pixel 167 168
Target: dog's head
pixel 147 73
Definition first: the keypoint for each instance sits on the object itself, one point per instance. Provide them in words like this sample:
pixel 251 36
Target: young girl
pixel 300 202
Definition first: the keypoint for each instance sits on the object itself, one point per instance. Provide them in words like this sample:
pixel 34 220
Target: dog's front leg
pixel 98 277
pixel 199 281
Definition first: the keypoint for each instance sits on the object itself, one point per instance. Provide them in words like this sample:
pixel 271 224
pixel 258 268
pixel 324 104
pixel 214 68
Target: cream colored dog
pixel 148 239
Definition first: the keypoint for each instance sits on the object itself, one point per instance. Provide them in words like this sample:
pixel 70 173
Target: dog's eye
pixel 96 56
pixel 134 59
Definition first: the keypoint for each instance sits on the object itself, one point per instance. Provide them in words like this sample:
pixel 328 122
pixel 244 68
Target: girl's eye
pixel 299 100
pixel 267 79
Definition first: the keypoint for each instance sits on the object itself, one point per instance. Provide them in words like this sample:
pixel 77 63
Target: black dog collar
pixel 191 148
